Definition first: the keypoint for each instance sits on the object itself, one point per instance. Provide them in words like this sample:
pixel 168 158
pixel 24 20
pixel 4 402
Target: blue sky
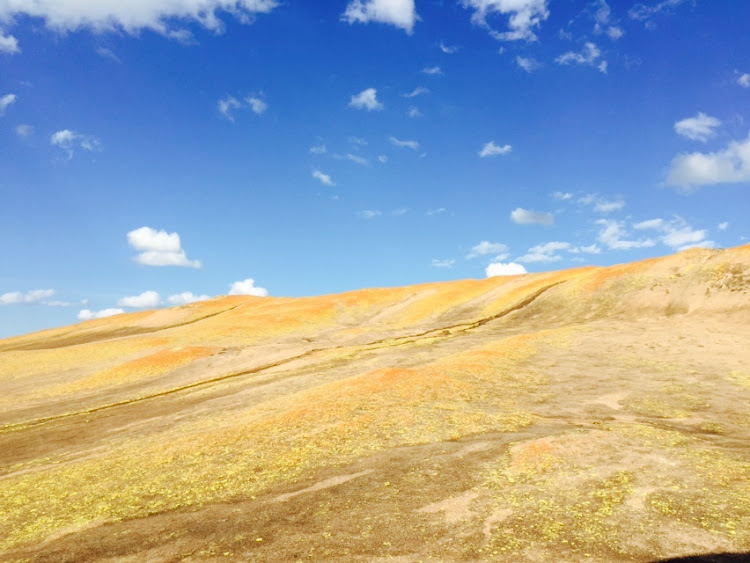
pixel 156 152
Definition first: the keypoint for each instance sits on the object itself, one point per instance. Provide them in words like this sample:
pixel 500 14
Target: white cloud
pixel 159 248
pixel 132 17
pixel 588 56
pixel 86 314
pixel 447 49
pixel 527 217
pixel 744 80
pixel 529 64
pixel 370 213
pixel 486 247
pixel 257 105
pixel 545 252
pixel 562 196
pixel 414 112
pixel 698 128
pixel 6 101
pixel 591 249
pixel 615 32
pixel 432 70
pixel 358 159
pixel 33 296
pixel 438 211
pixel 186 297
pixel 382 159
pixel 414 145
pixel 146 300
pixel 358 141
pixel 400 13
pixel 643 12
pixel 604 206
pixel 728 166
pixel 418 91
pixel 324 178
pixel 226 105
pixel 443 263
pixel 318 149
pixel 491 149
pixel 366 99
pixel 649 224
pixel 24 130
pixel 8 44
pixel 504 269
pixel 723 226
pixel 247 287
pixel 106 53
pixel 68 140
pixel 523 16
pixel 613 233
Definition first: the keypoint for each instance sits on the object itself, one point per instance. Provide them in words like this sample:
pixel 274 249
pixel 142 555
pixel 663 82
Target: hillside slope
pixel 598 414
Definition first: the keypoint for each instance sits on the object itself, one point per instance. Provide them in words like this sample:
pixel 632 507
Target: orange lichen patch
pixel 81 357
pixel 439 298
pixel 147 367
pixel 532 455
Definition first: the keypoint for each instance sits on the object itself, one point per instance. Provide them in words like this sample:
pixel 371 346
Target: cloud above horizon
pixel 6 101
pixel 247 287
pixel 185 298
pixel 87 314
pixel 399 13
pixel 33 296
pixel 504 269
pixel 323 178
pixel 159 248
pixel 146 300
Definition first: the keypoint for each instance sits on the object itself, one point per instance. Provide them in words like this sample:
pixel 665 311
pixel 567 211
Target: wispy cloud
pixel 159 248
pixel 432 70
pixel 318 149
pixel 399 13
pixel 547 252
pixel 323 178
pixel 676 233
pixel 247 287
pixel 698 128
pixel 589 55
pixel 68 141
pixel 367 100
pixel 614 236
pixel 229 104
pixel 492 149
pixel 562 196
pixel 730 165
pixel 414 112
pixel 448 50
pixel 529 64
pixel 414 145
pixel 361 160
pixel 523 16
pixel 523 216
pixel 418 91
pixel 744 80
pixel 33 296
pixel 6 101
pixel 644 12
pixel 447 263
pixel 486 247
pixel 106 53
pixel 438 211
pixel 370 213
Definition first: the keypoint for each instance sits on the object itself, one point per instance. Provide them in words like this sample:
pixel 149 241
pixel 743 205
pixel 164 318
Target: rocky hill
pixel 595 414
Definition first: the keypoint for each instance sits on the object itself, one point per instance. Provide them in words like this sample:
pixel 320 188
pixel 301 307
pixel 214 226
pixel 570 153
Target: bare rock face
pixel 597 414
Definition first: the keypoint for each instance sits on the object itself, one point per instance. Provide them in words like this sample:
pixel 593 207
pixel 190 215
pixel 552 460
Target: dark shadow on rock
pixel 710 558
